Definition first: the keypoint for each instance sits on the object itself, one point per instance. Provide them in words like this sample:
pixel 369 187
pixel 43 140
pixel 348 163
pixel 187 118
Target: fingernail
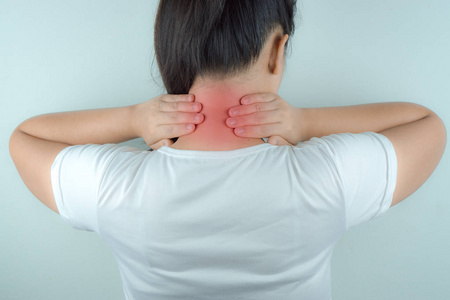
pixel 240 130
pixel 245 100
pixel 231 121
pixel 197 117
pixel 233 112
pixel 189 126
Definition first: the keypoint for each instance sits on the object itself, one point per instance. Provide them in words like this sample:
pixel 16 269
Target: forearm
pixel 376 117
pixel 96 126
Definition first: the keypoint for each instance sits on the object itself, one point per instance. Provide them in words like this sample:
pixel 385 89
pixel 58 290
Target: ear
pixel 276 60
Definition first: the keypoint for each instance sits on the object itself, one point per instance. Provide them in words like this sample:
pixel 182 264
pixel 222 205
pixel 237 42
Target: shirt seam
pixel 337 163
pixel 391 172
pixel 108 162
pixel 59 199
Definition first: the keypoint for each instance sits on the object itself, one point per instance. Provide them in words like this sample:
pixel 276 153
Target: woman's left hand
pixel 164 117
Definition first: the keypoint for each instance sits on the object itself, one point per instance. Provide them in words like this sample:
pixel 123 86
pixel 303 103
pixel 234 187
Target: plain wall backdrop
pixel 74 55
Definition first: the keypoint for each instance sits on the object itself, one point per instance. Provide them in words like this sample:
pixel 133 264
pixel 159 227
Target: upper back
pixel 264 218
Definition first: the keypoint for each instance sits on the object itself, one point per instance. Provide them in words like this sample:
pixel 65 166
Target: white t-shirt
pixel 254 223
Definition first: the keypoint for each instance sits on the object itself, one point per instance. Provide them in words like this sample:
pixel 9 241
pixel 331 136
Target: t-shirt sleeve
pixel 76 176
pixel 367 164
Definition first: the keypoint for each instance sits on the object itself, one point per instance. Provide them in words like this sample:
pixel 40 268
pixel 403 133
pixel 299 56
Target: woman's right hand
pixel 267 115
pixel 164 117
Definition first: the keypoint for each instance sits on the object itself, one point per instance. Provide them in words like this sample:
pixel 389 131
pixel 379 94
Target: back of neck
pixel 213 134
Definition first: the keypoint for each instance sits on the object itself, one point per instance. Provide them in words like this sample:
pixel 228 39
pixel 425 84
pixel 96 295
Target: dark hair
pixel 216 38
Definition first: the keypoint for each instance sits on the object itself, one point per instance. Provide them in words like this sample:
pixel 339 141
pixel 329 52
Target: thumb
pixel 278 140
pixel 161 143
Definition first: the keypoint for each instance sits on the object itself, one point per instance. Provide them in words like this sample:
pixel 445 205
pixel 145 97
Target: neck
pixel 217 97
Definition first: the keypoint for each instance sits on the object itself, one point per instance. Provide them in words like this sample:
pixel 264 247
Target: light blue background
pixel 73 55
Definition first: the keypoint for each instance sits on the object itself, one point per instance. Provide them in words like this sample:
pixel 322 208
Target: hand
pixel 267 115
pixel 164 117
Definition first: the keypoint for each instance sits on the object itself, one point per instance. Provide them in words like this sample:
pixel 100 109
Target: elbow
pixel 444 134
pixel 439 131
pixel 12 142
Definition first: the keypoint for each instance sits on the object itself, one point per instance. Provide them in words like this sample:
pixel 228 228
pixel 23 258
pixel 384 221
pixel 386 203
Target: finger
pixel 278 140
pixel 180 106
pixel 175 130
pixel 252 108
pixel 161 143
pixel 257 118
pixel 258 97
pixel 176 98
pixel 260 131
pixel 168 118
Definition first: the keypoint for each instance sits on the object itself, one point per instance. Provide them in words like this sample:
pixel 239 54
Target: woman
pixel 219 214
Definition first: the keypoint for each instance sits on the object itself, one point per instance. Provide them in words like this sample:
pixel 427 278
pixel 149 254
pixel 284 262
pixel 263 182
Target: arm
pixel 322 121
pixel 418 135
pixel 269 115
pixel 36 142
pixel 96 126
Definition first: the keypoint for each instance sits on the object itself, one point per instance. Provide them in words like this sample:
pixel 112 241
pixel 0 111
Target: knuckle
pixel 153 129
pixel 156 105
pixel 285 106
pixel 279 101
pixel 259 117
pixel 282 115
pixel 173 129
pixel 259 107
pixel 242 121
pixel 160 130
pixel 184 106
pixel 263 130
pixel 243 110
pixel 174 117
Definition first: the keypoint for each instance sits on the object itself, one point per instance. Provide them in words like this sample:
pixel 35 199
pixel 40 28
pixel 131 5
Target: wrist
pixel 302 124
pixel 135 120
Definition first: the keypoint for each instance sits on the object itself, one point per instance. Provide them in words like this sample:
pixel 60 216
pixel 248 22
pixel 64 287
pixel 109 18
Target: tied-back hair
pixel 214 38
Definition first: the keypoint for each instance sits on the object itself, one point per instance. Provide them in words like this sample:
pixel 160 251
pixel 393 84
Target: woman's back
pixel 259 222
